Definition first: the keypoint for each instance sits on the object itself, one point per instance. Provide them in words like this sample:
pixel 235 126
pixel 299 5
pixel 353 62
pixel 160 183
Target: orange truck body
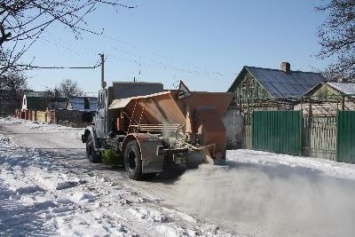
pixel 196 118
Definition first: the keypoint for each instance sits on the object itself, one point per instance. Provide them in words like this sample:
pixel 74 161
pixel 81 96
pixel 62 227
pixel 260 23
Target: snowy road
pixel 47 187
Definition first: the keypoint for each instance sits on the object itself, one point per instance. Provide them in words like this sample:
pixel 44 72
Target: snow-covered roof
pixel 343 87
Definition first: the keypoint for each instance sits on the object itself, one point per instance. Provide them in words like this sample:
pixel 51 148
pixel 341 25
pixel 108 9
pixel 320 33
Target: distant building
pixel 41 100
pixel 34 100
pixel 88 104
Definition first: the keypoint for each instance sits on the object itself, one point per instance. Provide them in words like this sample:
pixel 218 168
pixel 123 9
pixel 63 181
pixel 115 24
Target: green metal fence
pixel 346 136
pixel 277 131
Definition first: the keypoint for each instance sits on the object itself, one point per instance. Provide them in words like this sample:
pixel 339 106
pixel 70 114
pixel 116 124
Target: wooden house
pixel 258 88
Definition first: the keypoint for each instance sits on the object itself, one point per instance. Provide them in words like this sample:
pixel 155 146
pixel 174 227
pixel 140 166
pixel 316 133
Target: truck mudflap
pixel 149 145
pixel 152 162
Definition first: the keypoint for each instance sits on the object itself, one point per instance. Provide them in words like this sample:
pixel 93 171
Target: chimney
pixel 286 67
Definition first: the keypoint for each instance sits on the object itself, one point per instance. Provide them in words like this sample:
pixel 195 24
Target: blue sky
pixel 205 43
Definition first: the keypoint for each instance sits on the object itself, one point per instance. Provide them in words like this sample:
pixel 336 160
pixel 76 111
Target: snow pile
pixel 308 166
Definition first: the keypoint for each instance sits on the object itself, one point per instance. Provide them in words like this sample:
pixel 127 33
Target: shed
pixel 326 99
pixel 342 88
pixel 35 100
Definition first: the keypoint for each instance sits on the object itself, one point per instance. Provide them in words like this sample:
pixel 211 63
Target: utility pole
pixel 103 83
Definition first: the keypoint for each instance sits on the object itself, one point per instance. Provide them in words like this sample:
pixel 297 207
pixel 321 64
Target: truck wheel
pixel 193 160
pixel 90 151
pixel 132 161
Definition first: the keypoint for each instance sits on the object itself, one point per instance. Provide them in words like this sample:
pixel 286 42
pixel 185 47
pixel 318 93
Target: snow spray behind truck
pixel 143 127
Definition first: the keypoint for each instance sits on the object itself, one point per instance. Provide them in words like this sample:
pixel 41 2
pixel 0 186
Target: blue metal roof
pixel 281 85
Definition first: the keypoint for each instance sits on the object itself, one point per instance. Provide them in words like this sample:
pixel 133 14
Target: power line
pixel 141 60
pixel 64 67
pixel 196 68
pixel 61 67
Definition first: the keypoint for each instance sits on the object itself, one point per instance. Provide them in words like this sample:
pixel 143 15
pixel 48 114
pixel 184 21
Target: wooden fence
pixel 319 137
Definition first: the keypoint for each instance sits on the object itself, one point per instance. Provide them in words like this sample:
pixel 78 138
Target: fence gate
pixel 277 131
pixel 319 137
pixel 346 136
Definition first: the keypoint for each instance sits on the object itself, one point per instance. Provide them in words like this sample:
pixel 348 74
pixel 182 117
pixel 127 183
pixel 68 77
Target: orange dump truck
pixel 143 127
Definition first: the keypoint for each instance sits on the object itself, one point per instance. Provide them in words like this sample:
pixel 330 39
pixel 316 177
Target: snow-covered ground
pixel 48 188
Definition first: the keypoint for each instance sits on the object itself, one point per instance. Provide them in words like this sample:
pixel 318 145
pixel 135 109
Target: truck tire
pixel 193 160
pixel 90 151
pixel 132 161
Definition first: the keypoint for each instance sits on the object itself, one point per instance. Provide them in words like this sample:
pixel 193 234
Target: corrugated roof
pixel 281 85
pixel 343 87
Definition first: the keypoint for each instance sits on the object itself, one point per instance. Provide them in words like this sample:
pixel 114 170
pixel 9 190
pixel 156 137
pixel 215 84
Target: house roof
pixel 36 93
pixel 78 103
pixel 280 84
pixel 343 87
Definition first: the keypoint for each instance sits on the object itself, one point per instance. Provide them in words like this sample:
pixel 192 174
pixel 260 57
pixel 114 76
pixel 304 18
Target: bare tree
pixel 53 94
pixel 12 85
pixel 337 37
pixel 22 22
pixel 13 81
pixel 69 88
